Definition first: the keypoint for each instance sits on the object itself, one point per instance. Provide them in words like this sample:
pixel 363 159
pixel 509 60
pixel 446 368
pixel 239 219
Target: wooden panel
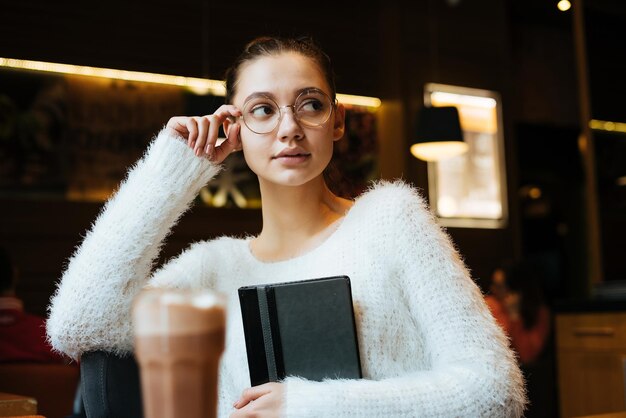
pixel 117 34
pixel 591 331
pixel 192 38
pixel 591 355
pixel 591 382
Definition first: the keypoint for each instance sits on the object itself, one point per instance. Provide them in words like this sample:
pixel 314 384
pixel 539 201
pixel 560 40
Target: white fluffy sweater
pixel 429 346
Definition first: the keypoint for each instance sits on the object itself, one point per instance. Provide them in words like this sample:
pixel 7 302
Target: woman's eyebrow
pixel 270 95
pixel 259 94
pixel 309 88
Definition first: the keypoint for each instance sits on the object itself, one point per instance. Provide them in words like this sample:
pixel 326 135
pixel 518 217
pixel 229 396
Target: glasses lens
pixel 313 108
pixel 261 114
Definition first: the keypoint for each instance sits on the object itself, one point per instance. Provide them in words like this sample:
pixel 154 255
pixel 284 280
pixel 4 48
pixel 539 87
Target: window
pixel 470 190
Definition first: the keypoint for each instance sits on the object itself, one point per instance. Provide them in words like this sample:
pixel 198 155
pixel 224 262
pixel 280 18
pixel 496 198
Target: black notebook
pixel 304 328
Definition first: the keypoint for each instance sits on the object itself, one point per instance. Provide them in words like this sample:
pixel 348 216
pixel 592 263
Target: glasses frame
pixel 333 106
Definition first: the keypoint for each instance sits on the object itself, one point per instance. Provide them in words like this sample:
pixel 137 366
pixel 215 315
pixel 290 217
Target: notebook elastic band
pixel 267 334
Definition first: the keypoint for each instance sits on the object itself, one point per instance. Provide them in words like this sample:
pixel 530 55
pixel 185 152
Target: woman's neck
pixel 296 219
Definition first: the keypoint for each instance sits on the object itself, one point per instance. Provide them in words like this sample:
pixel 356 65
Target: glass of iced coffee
pixel 179 339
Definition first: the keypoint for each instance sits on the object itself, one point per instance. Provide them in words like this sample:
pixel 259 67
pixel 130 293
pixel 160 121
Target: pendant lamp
pixel 439 134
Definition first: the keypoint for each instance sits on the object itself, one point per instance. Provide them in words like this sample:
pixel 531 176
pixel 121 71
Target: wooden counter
pixel 591 360
pixel 15 405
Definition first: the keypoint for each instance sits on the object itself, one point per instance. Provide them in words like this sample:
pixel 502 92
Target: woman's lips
pixel 292 159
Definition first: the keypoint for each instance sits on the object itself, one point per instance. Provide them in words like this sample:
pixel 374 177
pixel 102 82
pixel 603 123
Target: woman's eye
pixel 261 111
pixel 311 105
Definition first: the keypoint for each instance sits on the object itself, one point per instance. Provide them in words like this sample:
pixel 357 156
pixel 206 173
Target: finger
pixel 231 143
pixel 226 111
pixel 223 113
pixel 251 394
pixel 192 128
pixel 237 414
pixel 204 126
pixel 214 130
pixel 244 412
pixel 177 123
pixel 233 137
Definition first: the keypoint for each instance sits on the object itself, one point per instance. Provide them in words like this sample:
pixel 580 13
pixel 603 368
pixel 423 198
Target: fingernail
pixel 197 152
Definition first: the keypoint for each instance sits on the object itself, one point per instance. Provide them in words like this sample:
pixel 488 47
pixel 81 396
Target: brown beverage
pixel 179 339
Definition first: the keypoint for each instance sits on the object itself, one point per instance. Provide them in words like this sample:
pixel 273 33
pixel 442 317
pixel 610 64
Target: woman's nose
pixel 288 126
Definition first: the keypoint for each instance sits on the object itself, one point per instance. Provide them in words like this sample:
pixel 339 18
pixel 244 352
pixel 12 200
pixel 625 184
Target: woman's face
pixel 291 154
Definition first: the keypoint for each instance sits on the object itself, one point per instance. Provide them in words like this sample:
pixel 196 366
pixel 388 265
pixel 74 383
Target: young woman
pixel 429 346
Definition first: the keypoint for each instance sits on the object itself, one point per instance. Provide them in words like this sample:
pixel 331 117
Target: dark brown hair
pixel 267 46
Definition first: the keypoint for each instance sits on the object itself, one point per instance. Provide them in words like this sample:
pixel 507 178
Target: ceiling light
pixel 564 5
pixel 439 135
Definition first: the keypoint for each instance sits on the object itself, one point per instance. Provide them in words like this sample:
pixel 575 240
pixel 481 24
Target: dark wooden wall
pixel 188 37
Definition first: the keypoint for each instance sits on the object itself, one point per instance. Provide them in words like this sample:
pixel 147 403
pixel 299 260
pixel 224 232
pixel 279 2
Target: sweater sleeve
pixel 90 309
pixel 472 370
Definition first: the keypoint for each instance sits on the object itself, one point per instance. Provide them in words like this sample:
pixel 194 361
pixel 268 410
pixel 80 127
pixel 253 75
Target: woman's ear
pixel 339 126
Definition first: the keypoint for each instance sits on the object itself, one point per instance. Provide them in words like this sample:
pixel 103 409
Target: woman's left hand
pixel 265 400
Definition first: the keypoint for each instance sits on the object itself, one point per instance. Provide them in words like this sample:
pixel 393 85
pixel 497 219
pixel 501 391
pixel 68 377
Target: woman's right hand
pixel 200 132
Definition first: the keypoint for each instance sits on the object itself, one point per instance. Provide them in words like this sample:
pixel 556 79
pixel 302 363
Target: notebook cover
pixel 309 330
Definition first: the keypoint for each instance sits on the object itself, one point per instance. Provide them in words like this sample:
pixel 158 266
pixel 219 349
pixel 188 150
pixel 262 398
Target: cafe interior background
pixel 539 91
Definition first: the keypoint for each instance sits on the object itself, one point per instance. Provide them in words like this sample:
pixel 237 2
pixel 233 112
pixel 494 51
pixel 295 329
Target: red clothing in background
pixel 528 343
pixel 23 335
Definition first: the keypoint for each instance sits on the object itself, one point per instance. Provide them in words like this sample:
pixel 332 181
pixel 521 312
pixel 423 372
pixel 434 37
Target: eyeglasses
pixel 262 115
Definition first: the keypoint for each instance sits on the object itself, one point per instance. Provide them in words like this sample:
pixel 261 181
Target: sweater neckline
pixel 338 226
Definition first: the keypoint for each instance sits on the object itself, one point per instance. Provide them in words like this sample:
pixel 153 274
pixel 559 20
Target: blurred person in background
pixel 516 301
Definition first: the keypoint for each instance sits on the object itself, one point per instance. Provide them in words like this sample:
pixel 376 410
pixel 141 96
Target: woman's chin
pixel 292 179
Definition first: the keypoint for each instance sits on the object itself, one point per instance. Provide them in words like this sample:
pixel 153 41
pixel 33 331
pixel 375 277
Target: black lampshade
pixel 439 124
pixel 439 133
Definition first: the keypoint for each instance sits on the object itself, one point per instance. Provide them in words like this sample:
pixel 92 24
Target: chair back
pixel 110 385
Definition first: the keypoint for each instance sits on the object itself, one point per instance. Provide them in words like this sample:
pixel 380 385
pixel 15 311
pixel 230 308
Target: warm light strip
pixel 462 99
pixel 364 101
pixel 603 125
pixel 197 85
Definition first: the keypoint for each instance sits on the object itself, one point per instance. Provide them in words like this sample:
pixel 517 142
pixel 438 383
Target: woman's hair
pixel 267 46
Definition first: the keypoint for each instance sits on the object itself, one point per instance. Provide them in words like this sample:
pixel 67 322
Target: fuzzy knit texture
pixel 429 345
